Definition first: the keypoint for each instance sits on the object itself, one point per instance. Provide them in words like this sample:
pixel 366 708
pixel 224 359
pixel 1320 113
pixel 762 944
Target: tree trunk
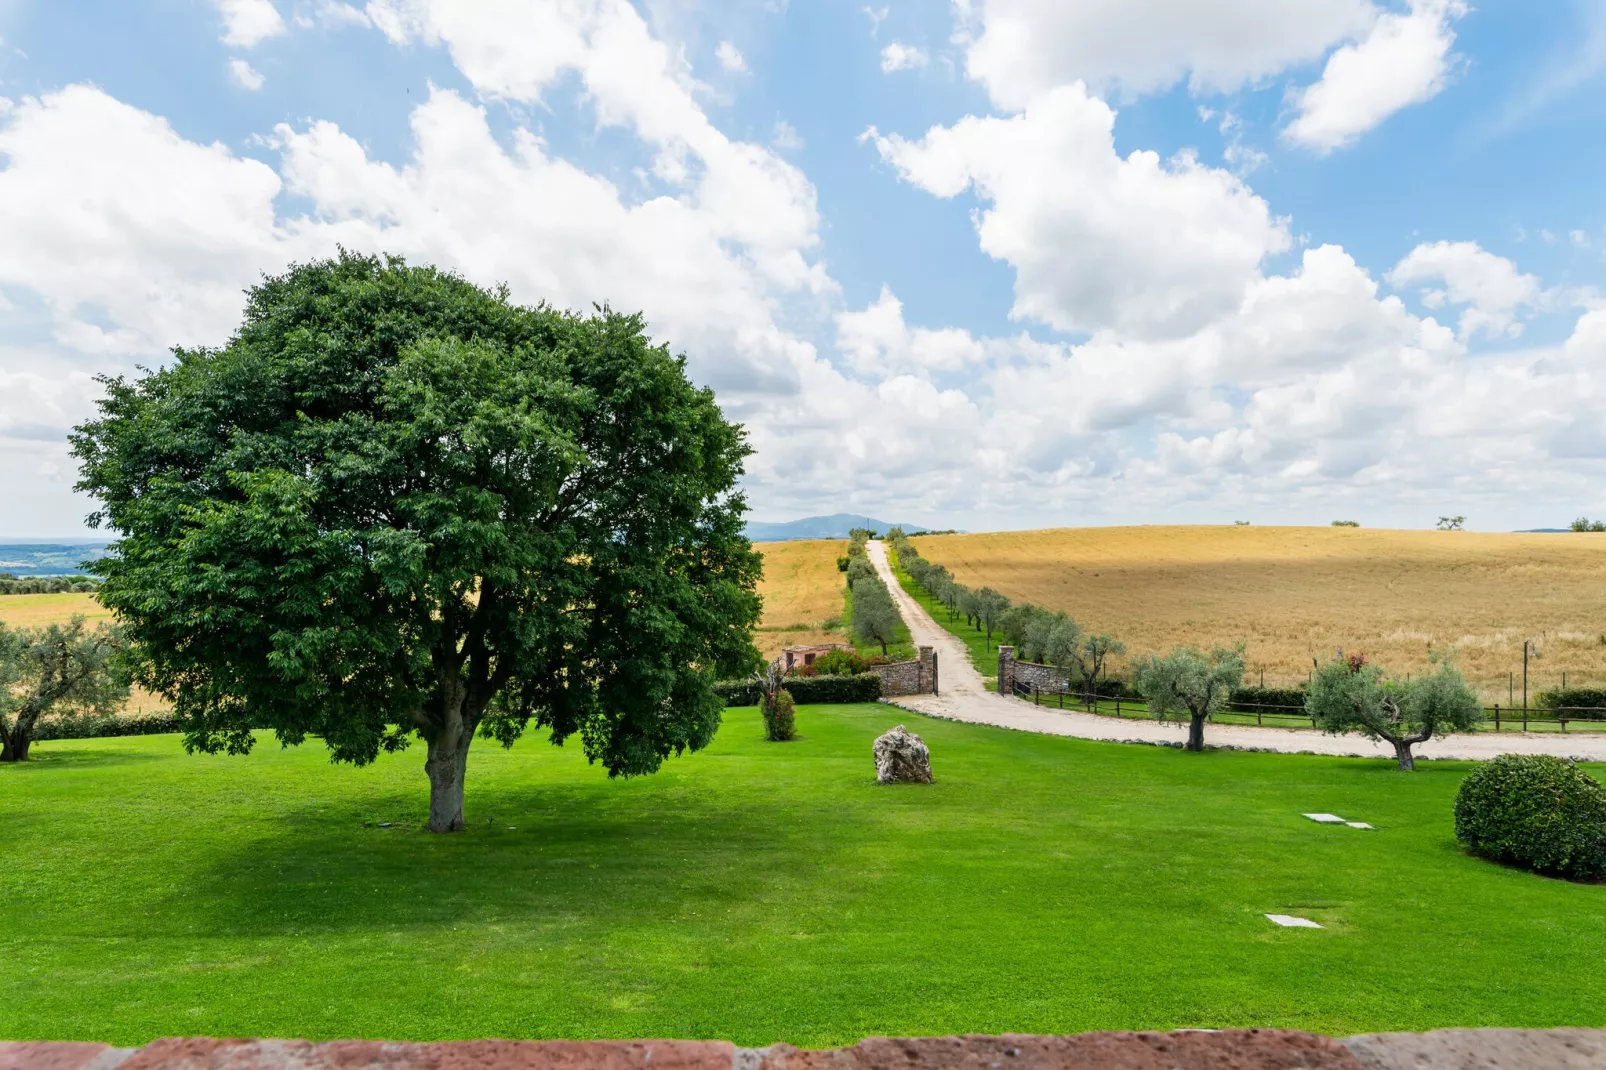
pixel 20 738
pixel 883 648
pixel 447 766
pixel 1402 752
pixel 1196 732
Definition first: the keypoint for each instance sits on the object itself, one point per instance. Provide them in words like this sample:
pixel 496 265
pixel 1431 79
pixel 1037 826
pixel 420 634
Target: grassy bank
pixel 765 892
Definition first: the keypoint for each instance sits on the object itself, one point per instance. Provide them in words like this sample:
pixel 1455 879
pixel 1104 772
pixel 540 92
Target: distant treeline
pixel 13 584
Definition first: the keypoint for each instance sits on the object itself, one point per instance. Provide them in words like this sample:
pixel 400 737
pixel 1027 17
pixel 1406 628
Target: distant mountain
pixel 835 526
pixel 48 558
pixel 1540 531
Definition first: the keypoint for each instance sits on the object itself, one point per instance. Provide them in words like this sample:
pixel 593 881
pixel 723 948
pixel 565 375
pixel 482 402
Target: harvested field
pixel 1295 593
pixel 802 592
pixel 32 610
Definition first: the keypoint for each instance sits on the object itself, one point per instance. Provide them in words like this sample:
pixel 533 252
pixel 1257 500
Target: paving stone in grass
pixel 1326 819
pixel 1289 921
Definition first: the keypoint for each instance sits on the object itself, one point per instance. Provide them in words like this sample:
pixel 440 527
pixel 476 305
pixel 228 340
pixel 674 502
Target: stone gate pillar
pixel 1006 669
pixel 928 670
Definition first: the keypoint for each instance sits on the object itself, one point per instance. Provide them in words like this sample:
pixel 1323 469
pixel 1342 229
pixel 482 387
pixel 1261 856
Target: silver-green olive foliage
pixel 1352 694
pixel 1192 682
pixel 397 503
pixel 62 670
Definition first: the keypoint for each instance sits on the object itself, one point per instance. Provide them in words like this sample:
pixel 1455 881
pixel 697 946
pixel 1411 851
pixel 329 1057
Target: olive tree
pixel 990 607
pixel 1090 657
pixel 63 670
pixel 1187 680
pixel 397 504
pixel 1352 694
pixel 875 617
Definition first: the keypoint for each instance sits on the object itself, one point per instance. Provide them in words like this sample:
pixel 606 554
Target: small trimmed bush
pixel 839 663
pixel 1534 811
pixel 780 717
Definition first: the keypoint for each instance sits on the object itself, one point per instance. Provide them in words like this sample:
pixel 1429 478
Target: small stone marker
pixel 1289 921
pixel 1357 824
pixel 901 757
pixel 1326 819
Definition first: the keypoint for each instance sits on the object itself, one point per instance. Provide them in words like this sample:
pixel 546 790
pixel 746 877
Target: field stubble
pixel 803 594
pixel 1297 593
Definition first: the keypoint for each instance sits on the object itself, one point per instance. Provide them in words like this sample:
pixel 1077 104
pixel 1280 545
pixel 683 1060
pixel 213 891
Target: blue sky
pixel 994 263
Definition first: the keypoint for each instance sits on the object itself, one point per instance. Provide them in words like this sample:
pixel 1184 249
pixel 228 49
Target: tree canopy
pixel 397 503
pixel 1192 682
pixel 1353 694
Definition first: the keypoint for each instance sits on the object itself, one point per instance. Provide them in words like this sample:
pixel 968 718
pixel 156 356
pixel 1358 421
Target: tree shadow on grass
pixel 42 759
pixel 565 851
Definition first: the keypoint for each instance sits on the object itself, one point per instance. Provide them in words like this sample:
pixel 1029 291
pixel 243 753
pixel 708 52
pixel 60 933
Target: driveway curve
pixel 964 698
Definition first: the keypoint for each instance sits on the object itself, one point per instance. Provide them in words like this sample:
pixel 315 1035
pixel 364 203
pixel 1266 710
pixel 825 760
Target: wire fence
pixel 1495 718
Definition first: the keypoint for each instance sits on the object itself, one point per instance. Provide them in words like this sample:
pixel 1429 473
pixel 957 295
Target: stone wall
pixel 1028 675
pixel 1198 1049
pixel 918 677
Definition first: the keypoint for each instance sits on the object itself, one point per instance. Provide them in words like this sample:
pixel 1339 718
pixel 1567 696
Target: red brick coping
pixel 1229 1049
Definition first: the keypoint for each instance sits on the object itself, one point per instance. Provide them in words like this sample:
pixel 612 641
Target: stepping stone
pixel 1357 824
pixel 1326 819
pixel 1288 921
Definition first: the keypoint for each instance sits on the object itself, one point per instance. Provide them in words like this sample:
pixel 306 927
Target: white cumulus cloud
pixel 244 75
pixel 1134 244
pixel 247 23
pixel 1404 60
pixel 1490 286
pixel 1021 49
pixel 730 57
pixel 901 57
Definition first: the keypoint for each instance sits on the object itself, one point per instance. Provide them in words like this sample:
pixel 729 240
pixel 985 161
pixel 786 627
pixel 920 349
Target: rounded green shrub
pixel 1534 811
pixel 780 717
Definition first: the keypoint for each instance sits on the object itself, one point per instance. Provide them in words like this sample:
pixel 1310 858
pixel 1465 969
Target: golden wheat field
pixel 1296 593
pixel 802 592
pixel 32 610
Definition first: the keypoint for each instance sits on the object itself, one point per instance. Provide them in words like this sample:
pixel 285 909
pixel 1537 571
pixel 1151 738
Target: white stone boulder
pixel 901 757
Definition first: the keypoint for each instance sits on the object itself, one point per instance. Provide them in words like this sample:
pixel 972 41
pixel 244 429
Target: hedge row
pixel 123 724
pixel 1269 696
pixel 1566 698
pixel 807 690
pixel 10 584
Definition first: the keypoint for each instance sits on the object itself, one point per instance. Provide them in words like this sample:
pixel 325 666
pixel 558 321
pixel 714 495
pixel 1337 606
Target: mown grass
pixel 765 892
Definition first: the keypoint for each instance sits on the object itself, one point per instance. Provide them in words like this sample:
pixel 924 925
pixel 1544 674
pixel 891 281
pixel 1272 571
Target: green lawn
pixel 983 651
pixel 763 892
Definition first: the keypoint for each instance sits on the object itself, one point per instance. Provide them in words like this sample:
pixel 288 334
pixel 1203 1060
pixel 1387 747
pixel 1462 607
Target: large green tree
pixel 396 503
